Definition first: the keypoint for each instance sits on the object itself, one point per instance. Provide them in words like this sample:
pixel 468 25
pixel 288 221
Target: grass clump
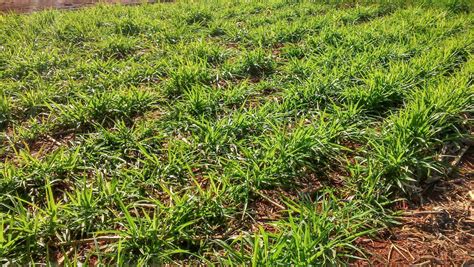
pixel 4 111
pixel 256 63
pixel 262 134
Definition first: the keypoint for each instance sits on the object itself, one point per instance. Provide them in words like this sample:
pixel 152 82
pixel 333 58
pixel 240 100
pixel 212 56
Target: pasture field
pixel 227 132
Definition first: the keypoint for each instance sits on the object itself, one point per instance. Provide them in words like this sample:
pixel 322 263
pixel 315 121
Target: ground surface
pixel 225 133
pixel 436 231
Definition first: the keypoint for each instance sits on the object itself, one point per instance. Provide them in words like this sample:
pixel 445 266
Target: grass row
pixel 266 133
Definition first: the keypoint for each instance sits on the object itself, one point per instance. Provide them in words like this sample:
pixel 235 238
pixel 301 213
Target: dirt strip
pixel 438 230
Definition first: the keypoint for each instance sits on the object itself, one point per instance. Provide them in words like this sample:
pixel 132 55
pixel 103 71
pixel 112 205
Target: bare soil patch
pixel 436 231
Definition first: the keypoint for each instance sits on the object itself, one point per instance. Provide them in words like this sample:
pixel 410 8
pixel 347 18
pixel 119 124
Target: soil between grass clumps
pixel 224 133
pixel 439 231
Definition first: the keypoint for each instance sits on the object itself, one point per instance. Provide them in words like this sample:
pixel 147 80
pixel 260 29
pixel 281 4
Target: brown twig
pixel 271 201
pixel 93 239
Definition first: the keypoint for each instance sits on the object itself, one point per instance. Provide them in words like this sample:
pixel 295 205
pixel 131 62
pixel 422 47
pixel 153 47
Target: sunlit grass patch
pixel 230 133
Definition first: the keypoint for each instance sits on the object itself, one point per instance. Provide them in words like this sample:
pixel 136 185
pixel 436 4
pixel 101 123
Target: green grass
pixel 230 133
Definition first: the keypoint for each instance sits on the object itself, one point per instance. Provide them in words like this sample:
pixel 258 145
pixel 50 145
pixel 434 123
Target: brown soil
pixel 25 6
pixel 436 231
pixel 39 147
